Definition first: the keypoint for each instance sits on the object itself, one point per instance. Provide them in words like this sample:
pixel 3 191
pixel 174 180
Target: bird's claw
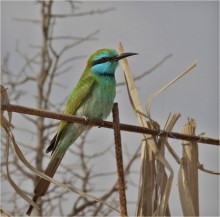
pixel 86 119
pixel 101 124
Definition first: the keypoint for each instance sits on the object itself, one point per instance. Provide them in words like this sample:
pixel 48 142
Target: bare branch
pixel 33 21
pixel 88 37
pixel 68 38
pixel 92 12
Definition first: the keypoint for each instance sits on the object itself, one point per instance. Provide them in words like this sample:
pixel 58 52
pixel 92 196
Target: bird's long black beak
pixel 124 55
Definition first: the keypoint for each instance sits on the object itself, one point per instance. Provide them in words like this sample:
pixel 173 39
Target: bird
pixel 92 98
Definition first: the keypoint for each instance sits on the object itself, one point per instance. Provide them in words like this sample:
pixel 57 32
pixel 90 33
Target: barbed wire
pixel 108 124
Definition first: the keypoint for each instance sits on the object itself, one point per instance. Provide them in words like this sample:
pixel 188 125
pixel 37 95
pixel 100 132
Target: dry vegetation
pixel 156 173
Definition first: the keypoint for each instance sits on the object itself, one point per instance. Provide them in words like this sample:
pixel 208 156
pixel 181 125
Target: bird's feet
pixel 101 124
pixel 86 119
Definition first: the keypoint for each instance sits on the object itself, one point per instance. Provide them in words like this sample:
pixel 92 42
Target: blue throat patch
pixel 105 68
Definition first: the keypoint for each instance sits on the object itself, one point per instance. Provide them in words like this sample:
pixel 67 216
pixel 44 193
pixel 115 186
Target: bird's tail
pixel 43 185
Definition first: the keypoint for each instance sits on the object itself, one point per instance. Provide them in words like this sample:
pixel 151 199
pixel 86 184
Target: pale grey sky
pixel 189 30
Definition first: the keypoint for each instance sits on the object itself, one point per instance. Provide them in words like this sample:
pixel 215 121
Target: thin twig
pixel 92 12
pixel 155 94
pixel 201 167
pixel 108 124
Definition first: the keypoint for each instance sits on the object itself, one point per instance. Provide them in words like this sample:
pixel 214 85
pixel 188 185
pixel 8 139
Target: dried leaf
pixel 185 195
pixel 169 126
pixel 147 182
pixel 13 184
pixel 190 170
pixel 164 182
pixel 54 181
pixel 157 93
pixel 147 191
pixel 5 100
pixel 6 125
pixel 4 213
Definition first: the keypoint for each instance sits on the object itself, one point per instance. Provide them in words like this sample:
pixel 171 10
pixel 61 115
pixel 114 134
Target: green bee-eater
pixel 93 97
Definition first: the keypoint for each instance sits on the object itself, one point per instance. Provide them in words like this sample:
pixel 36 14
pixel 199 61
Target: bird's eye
pixel 101 60
pixel 104 59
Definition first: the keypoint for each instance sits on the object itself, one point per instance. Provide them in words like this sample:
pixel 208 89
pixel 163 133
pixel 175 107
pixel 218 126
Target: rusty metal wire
pixel 108 124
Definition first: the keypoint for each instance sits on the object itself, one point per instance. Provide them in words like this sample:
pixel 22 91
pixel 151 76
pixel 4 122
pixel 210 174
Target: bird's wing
pixel 78 94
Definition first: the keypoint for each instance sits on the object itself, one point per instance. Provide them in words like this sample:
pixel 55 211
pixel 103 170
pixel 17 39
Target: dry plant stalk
pixel 54 181
pixel 157 93
pixel 161 209
pixel 150 152
pixel 5 101
pixel 188 174
pixel 201 167
pixel 4 213
pixel 6 125
pixel 148 204
pixel 169 126
pixel 147 180
pixel 162 179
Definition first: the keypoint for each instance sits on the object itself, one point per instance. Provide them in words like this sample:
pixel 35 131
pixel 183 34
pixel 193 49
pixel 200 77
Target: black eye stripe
pixel 102 60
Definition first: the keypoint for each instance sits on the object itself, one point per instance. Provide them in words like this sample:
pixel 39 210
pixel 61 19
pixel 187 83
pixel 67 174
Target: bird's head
pixel 105 61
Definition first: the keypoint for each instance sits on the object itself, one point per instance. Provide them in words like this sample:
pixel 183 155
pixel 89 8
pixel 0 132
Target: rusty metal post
pixel 119 160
